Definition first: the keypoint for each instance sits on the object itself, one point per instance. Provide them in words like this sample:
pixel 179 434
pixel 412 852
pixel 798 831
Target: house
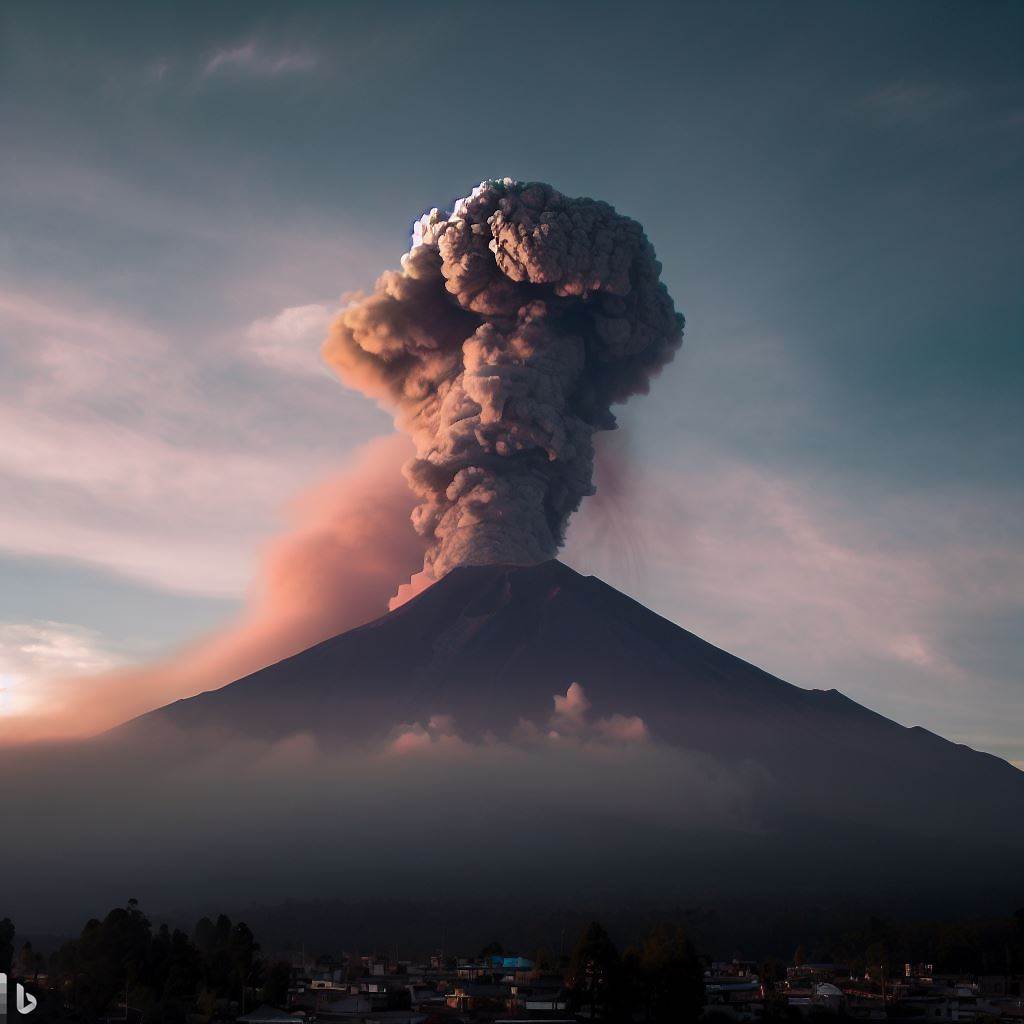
pixel 828 997
pixel 476 996
pixel 425 996
pixel 537 999
pixel 507 964
pixel 739 997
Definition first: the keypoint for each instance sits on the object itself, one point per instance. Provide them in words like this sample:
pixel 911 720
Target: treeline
pixel 883 946
pixel 662 978
pixel 661 981
pixel 163 976
pixel 167 976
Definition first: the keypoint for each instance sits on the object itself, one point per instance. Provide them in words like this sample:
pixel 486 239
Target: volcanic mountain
pixel 527 737
pixel 490 646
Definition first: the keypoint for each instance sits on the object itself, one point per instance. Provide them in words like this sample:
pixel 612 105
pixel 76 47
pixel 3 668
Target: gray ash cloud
pixel 514 325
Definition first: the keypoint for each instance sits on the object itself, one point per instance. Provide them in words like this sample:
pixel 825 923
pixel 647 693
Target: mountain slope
pixel 492 645
pixel 740 791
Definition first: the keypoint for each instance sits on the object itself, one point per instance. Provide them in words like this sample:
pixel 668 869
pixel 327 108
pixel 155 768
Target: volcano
pixel 569 749
pixel 490 646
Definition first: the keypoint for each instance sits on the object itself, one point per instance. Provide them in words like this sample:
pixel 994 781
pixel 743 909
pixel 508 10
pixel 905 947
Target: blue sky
pixel 827 480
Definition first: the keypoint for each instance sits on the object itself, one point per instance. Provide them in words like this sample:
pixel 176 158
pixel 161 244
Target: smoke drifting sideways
pixel 516 322
pixel 332 569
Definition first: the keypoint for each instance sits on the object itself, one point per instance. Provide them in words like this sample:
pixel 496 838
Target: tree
pixel 594 973
pixel 174 973
pixel 204 935
pixel 108 957
pixel 354 969
pixel 672 976
pixel 544 959
pixel 242 947
pixel 772 974
pixel 6 944
pixel 275 985
pixel 30 963
pixel 166 976
pixel 631 986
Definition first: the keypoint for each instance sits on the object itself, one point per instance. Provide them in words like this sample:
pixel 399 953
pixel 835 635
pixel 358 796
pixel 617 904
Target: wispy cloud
pixel 159 69
pixel 122 453
pixel 291 340
pixel 909 101
pixel 252 58
pixel 809 588
pixel 33 655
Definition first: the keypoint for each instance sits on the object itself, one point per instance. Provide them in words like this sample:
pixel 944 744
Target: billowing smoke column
pixel 515 323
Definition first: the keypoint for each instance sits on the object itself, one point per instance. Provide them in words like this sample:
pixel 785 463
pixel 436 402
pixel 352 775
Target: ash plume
pixel 331 570
pixel 515 323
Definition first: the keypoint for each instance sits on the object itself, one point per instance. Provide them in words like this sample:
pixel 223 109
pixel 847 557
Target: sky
pixel 826 481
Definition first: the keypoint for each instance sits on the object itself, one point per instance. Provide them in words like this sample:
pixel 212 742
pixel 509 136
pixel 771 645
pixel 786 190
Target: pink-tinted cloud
pixel 290 340
pixel 572 718
pixel 571 709
pixel 569 725
pixel 336 568
pixel 36 655
pixel 623 728
pixel 437 737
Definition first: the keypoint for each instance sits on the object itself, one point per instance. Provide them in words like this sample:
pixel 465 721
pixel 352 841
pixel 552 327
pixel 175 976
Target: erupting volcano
pixel 516 322
pixel 512 716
